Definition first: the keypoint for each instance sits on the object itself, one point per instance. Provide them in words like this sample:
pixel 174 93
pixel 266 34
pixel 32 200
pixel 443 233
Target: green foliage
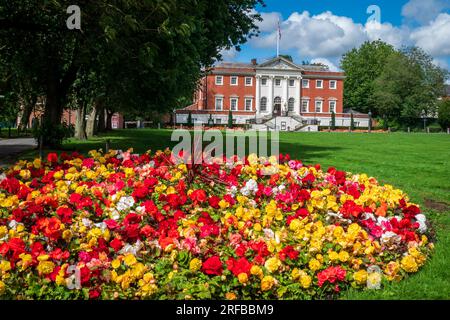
pixel 189 120
pixel 352 122
pixel 210 121
pixel 362 66
pixel 132 55
pixel 230 119
pixel 333 120
pixel 52 134
pixel 444 114
pixel 398 86
pixel 408 87
pixel 288 57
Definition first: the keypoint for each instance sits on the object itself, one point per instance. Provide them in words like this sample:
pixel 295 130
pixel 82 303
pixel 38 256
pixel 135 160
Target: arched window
pixel 263 104
pixel 277 100
pixel 291 102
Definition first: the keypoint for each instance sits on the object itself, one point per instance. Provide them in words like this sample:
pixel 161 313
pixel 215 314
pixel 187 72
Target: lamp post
pixel 370 121
pixel 174 118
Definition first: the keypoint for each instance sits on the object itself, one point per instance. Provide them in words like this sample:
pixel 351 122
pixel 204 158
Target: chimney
pixel 254 62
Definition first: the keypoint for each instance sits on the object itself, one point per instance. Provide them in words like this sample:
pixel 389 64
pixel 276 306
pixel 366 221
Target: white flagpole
pixel 278 38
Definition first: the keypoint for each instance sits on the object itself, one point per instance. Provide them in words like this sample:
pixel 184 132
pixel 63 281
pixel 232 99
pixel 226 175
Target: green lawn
pixel 417 163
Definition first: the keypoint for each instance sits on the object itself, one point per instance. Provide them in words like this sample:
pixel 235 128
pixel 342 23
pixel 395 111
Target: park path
pixel 11 148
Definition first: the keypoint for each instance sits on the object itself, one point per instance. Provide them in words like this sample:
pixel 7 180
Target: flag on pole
pixel 279 29
pixel 278 38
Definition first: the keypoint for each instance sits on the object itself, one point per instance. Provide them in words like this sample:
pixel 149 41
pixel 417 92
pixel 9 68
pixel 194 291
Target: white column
pixel 270 99
pixel 284 106
pixel 258 93
pixel 298 87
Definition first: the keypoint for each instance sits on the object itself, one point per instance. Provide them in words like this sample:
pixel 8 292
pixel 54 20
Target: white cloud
pixel 327 62
pixel 269 22
pixel 329 36
pixel 388 33
pixel 228 54
pixel 434 37
pixel 326 35
pixel 424 11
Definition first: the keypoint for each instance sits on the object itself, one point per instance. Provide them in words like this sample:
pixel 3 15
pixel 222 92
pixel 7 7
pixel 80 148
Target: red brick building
pixel 275 95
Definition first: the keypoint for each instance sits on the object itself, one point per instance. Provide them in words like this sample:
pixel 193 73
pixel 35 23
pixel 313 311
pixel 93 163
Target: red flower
pixel 239 266
pixel 65 214
pixel 331 274
pixel 213 266
pixel 52 157
pixel 198 196
pixel 288 252
pixel 310 178
pixel 214 201
pixel 116 244
pixel 209 230
pixel 350 208
pixel 94 294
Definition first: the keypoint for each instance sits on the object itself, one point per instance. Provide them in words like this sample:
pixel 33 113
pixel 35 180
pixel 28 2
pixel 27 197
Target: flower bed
pixel 126 226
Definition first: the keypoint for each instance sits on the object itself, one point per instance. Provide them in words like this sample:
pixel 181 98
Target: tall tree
pixel 362 66
pixel 408 87
pixel 149 53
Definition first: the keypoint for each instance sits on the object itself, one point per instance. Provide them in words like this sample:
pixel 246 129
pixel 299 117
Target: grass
pixel 417 163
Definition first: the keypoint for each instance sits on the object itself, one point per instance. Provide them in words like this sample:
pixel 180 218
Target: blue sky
pixel 323 30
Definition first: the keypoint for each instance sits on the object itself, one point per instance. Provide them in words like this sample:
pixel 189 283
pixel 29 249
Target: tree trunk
pixel 101 119
pixel 109 115
pixel 28 108
pixel 90 123
pixel 80 123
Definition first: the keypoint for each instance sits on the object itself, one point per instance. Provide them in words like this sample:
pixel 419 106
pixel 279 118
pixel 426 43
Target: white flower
pixel 421 220
pixel 251 186
pixel 125 203
pixel 13 224
pixel 86 222
pixel 269 233
pixel 2 177
pixel 133 249
pixel 101 225
pixel 390 237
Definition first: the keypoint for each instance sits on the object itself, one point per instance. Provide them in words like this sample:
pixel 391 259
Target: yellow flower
pixel 5 266
pixel 223 204
pixel 360 277
pixel 314 264
pixel 230 296
pixel 391 270
pixel 45 267
pixel 37 163
pixel 267 283
pixel 295 273
pixel 3 231
pixel 344 256
pixel 25 174
pixel 115 263
pixel 129 260
pixel 305 281
pixel 256 271
pixel 2 287
pixel 242 277
pixel 195 265
pixel 333 256
pixel 67 235
pixel 26 260
pixel 272 264
pixel 257 227
pixel 409 264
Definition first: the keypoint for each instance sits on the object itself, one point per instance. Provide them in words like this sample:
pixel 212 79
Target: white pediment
pixel 280 64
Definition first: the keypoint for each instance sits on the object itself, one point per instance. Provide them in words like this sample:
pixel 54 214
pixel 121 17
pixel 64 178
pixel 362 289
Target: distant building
pixel 276 95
